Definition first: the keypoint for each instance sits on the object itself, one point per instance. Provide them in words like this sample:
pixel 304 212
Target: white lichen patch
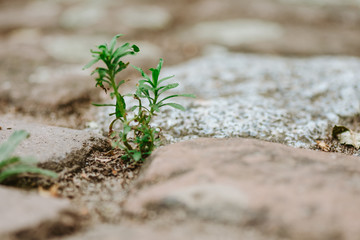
pixel 286 100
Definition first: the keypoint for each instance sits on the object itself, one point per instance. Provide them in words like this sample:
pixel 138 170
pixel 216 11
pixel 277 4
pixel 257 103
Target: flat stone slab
pixel 169 230
pixel 294 101
pixel 26 215
pixel 53 147
pixel 271 188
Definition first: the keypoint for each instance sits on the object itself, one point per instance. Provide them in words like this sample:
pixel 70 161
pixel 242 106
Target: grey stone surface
pixel 53 147
pixel 83 15
pixel 269 188
pixel 288 100
pixel 353 3
pixel 209 201
pixel 31 14
pixel 235 32
pixel 148 17
pixel 22 212
pixel 169 230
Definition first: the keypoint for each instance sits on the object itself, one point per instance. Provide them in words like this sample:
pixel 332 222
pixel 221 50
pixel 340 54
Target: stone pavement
pixel 277 190
pixel 240 189
pixel 294 101
pixel 206 188
pixel 53 147
pixel 26 215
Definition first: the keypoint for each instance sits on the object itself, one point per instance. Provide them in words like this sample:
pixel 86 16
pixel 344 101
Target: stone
pixel 169 230
pixel 210 201
pixel 144 17
pixel 50 93
pixel 286 100
pixel 235 32
pixel 83 15
pixel 53 147
pixel 270 188
pixel 27 215
pixel 73 48
pixel 30 14
pixel 353 3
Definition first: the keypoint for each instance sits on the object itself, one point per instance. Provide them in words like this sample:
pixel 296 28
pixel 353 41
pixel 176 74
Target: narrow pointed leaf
pixel 92 62
pixel 174 105
pixel 167 87
pixel 8 147
pixel 25 169
pixel 103 105
pixel 155 76
pixel 166 78
pixel 178 95
pixel 120 83
pixel 113 42
pixel 142 73
pixel 133 108
pixel 9 161
pixel 159 66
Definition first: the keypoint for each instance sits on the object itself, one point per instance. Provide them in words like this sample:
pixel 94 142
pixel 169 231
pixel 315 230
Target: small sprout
pixel 137 137
pixel 13 165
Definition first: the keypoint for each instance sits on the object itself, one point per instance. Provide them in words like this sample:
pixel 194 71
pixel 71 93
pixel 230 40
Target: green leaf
pixel 178 95
pixel 174 105
pixel 9 161
pixel 142 73
pixel 159 66
pixel 8 147
pixel 155 76
pixel 103 105
pixel 121 66
pixel 127 129
pixel 155 107
pixel 120 106
pixel 120 83
pixel 166 78
pixel 19 169
pixel 133 108
pixel 122 51
pixel 136 156
pixel 187 95
pixel 136 48
pixel 113 42
pixel 167 87
pixel 92 62
pixel 145 87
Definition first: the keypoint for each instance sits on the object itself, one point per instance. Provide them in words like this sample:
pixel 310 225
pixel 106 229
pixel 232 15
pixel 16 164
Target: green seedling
pixel 136 137
pixel 13 165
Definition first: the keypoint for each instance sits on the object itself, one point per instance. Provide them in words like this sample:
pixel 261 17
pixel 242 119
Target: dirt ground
pixel 42 55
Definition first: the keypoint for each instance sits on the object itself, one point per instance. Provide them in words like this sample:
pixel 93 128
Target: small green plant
pixel 14 165
pixel 136 137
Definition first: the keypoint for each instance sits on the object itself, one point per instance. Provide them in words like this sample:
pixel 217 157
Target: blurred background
pixel 45 43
